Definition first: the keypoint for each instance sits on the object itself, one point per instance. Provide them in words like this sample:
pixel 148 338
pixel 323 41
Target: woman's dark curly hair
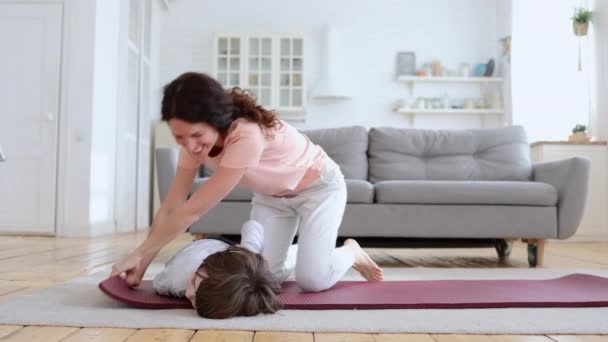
pixel 195 97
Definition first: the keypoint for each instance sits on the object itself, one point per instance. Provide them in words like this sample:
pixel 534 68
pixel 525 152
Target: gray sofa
pixel 414 183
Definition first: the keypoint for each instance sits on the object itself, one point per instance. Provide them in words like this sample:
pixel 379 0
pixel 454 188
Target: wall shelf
pixel 455 79
pixel 450 111
pixel 410 81
pixel 411 112
pixel 485 85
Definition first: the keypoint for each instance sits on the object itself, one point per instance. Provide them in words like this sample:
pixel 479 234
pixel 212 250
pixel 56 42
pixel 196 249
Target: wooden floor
pixel 31 263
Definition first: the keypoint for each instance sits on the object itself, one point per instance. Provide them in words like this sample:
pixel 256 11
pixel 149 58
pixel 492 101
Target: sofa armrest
pixel 571 179
pixel 166 166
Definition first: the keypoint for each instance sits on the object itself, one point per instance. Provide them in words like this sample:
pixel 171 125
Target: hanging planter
pixel 580 21
pixel 580 25
pixel 580 29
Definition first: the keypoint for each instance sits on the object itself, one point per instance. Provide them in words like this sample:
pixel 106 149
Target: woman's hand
pixel 132 267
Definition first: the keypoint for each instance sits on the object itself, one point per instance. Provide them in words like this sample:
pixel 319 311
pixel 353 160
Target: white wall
pixel 87 149
pixel 104 116
pixel 600 27
pixel 372 33
pixel 75 118
pixel 550 94
pixel 92 73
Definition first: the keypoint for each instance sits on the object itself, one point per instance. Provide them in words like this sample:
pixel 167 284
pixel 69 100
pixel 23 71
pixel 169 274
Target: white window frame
pixel 288 112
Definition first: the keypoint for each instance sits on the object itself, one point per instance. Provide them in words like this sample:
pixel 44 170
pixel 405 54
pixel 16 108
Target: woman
pixel 297 186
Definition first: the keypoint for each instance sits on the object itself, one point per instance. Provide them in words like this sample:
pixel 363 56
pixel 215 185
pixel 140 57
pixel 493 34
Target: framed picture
pixel 406 64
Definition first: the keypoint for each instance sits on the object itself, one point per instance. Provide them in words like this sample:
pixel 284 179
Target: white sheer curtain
pixel 549 95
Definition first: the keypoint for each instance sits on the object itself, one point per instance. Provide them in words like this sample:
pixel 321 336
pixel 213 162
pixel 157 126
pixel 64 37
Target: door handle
pixel 2 157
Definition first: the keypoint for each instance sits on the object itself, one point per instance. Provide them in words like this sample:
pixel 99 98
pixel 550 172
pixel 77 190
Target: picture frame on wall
pixel 406 64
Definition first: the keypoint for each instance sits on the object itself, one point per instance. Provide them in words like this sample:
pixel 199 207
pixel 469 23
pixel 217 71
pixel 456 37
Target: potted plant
pixel 580 21
pixel 579 134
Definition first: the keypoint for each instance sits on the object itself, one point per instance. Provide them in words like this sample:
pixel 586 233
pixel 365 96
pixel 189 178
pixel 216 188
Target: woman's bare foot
pixel 363 263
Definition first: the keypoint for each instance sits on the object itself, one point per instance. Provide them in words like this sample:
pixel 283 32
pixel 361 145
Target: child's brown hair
pixel 238 283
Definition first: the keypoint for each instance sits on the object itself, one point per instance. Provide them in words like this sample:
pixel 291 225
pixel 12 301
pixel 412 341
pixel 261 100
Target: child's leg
pixel 280 223
pixel 290 261
pixel 252 236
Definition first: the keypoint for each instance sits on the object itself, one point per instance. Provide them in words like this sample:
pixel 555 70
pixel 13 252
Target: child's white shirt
pixel 171 281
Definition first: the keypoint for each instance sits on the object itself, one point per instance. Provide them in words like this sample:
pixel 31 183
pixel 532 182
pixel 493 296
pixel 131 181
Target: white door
pixel 30 41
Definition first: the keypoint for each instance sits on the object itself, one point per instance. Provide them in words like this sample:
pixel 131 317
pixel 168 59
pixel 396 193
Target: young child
pixel 237 280
pixel 234 282
pixel 172 280
pixel 231 280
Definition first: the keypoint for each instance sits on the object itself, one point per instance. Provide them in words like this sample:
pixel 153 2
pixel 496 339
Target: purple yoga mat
pixel 575 290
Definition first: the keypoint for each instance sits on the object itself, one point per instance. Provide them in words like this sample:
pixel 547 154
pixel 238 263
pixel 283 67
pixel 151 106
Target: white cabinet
pixel 270 66
pixel 594 225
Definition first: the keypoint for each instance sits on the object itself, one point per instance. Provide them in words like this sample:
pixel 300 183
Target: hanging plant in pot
pixel 580 21
pixel 580 24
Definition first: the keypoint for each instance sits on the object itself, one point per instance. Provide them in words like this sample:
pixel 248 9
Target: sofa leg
pixel 536 251
pixel 199 236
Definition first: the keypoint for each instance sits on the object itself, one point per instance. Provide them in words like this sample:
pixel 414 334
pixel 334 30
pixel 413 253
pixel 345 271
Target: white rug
pixel 80 303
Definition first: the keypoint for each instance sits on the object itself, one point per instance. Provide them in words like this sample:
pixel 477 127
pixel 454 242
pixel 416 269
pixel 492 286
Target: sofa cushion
pixel 466 192
pixel 359 191
pixel 347 146
pixel 476 154
pixel 238 194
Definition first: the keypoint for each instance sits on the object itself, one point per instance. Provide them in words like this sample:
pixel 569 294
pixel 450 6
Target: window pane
pixel 254 46
pixel 266 79
pixel 296 97
pixel 265 98
pixel 285 79
pixel 222 64
pixel 297 64
pixel 284 102
pixel 253 79
pixel 234 64
pixel 266 46
pixel 266 64
pixel 297 47
pixel 234 79
pixel 284 64
pixel 254 64
pixel 297 80
pixel 285 48
pixel 223 46
pixel 222 77
pixel 235 46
